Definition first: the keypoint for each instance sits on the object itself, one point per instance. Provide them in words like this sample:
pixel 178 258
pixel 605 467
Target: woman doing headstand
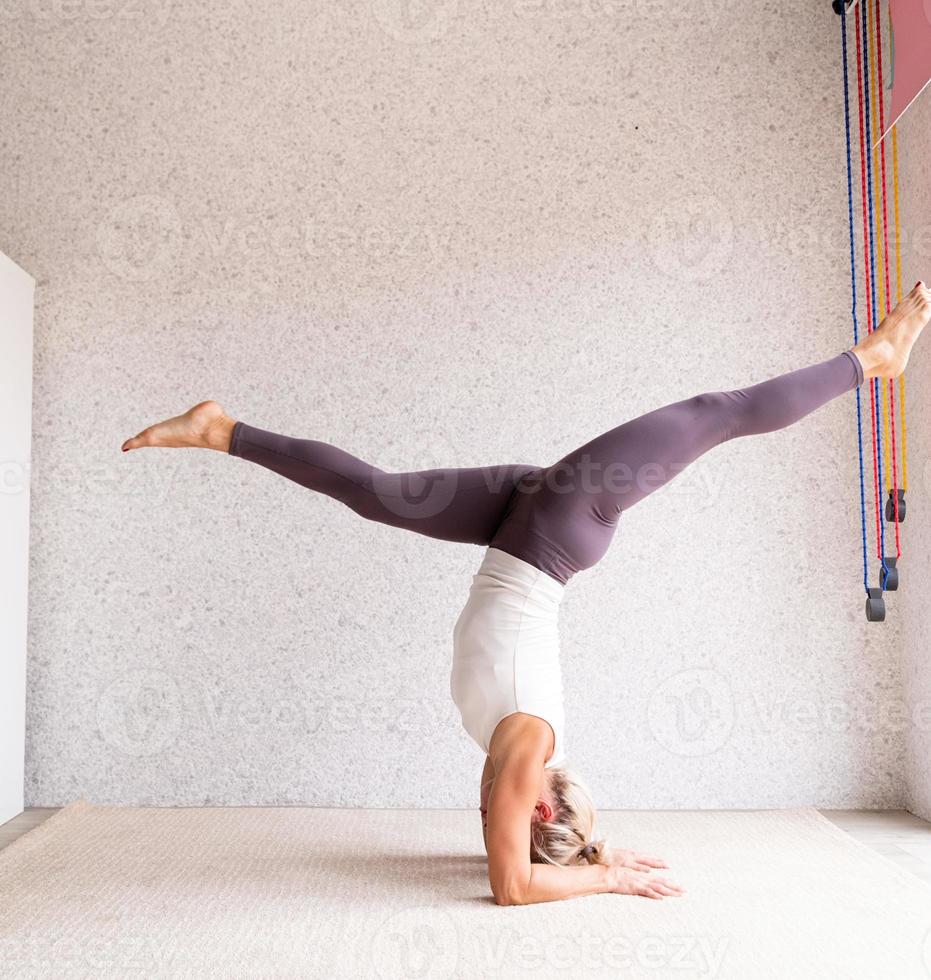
pixel 541 525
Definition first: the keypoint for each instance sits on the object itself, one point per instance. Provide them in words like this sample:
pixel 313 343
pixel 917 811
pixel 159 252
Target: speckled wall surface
pixel 915 137
pixel 448 232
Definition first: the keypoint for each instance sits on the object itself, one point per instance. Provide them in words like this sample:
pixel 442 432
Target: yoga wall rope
pixel 898 298
pixel 884 432
pixel 895 505
pixel 869 265
pixel 889 387
pixel 853 297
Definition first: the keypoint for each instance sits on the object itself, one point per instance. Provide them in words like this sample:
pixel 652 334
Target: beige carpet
pixel 286 892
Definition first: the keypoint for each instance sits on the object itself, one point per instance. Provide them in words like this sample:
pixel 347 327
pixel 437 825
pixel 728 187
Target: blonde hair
pixel 567 838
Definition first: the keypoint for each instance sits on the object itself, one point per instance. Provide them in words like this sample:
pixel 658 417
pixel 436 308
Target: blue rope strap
pixel 872 296
pixel 853 292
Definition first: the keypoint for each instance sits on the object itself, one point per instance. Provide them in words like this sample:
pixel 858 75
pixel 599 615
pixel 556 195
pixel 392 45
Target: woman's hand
pixel 623 881
pixel 620 858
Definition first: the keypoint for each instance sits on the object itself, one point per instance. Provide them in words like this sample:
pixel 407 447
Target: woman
pixel 541 526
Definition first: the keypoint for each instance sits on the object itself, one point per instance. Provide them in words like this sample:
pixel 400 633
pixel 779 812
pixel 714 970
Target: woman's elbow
pixel 510 893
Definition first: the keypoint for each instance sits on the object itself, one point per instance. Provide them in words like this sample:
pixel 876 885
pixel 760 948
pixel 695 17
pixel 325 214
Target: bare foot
pixel 205 426
pixel 884 353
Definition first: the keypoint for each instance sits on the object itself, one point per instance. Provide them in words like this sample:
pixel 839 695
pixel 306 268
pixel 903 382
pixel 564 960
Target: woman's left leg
pixel 565 519
pixel 656 447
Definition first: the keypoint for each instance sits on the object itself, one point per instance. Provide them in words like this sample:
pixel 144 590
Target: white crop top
pixel 506 650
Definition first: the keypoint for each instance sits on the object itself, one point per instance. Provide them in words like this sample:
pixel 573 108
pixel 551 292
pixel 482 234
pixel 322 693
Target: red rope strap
pixel 868 274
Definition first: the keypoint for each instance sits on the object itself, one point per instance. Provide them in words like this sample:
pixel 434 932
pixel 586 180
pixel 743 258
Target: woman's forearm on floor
pixel 553 883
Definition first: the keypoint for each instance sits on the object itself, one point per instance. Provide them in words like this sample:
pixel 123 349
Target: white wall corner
pixel 17 289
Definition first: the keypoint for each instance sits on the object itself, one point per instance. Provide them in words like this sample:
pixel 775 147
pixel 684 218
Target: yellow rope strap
pixel 880 276
pixel 898 293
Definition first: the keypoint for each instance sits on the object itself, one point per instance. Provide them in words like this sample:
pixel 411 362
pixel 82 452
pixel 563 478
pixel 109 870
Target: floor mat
pixel 293 892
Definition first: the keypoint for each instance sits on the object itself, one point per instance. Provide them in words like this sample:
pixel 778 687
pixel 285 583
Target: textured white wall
pixel 17 289
pixel 451 232
pixel 915 136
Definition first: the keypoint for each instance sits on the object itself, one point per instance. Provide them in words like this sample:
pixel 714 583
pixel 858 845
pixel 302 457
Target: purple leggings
pixel 560 518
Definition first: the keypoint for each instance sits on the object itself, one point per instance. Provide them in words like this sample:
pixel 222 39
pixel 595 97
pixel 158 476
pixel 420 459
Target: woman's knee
pixel 721 411
pixel 712 403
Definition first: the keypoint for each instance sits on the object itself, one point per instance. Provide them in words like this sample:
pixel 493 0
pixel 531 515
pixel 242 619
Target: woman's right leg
pixel 464 505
